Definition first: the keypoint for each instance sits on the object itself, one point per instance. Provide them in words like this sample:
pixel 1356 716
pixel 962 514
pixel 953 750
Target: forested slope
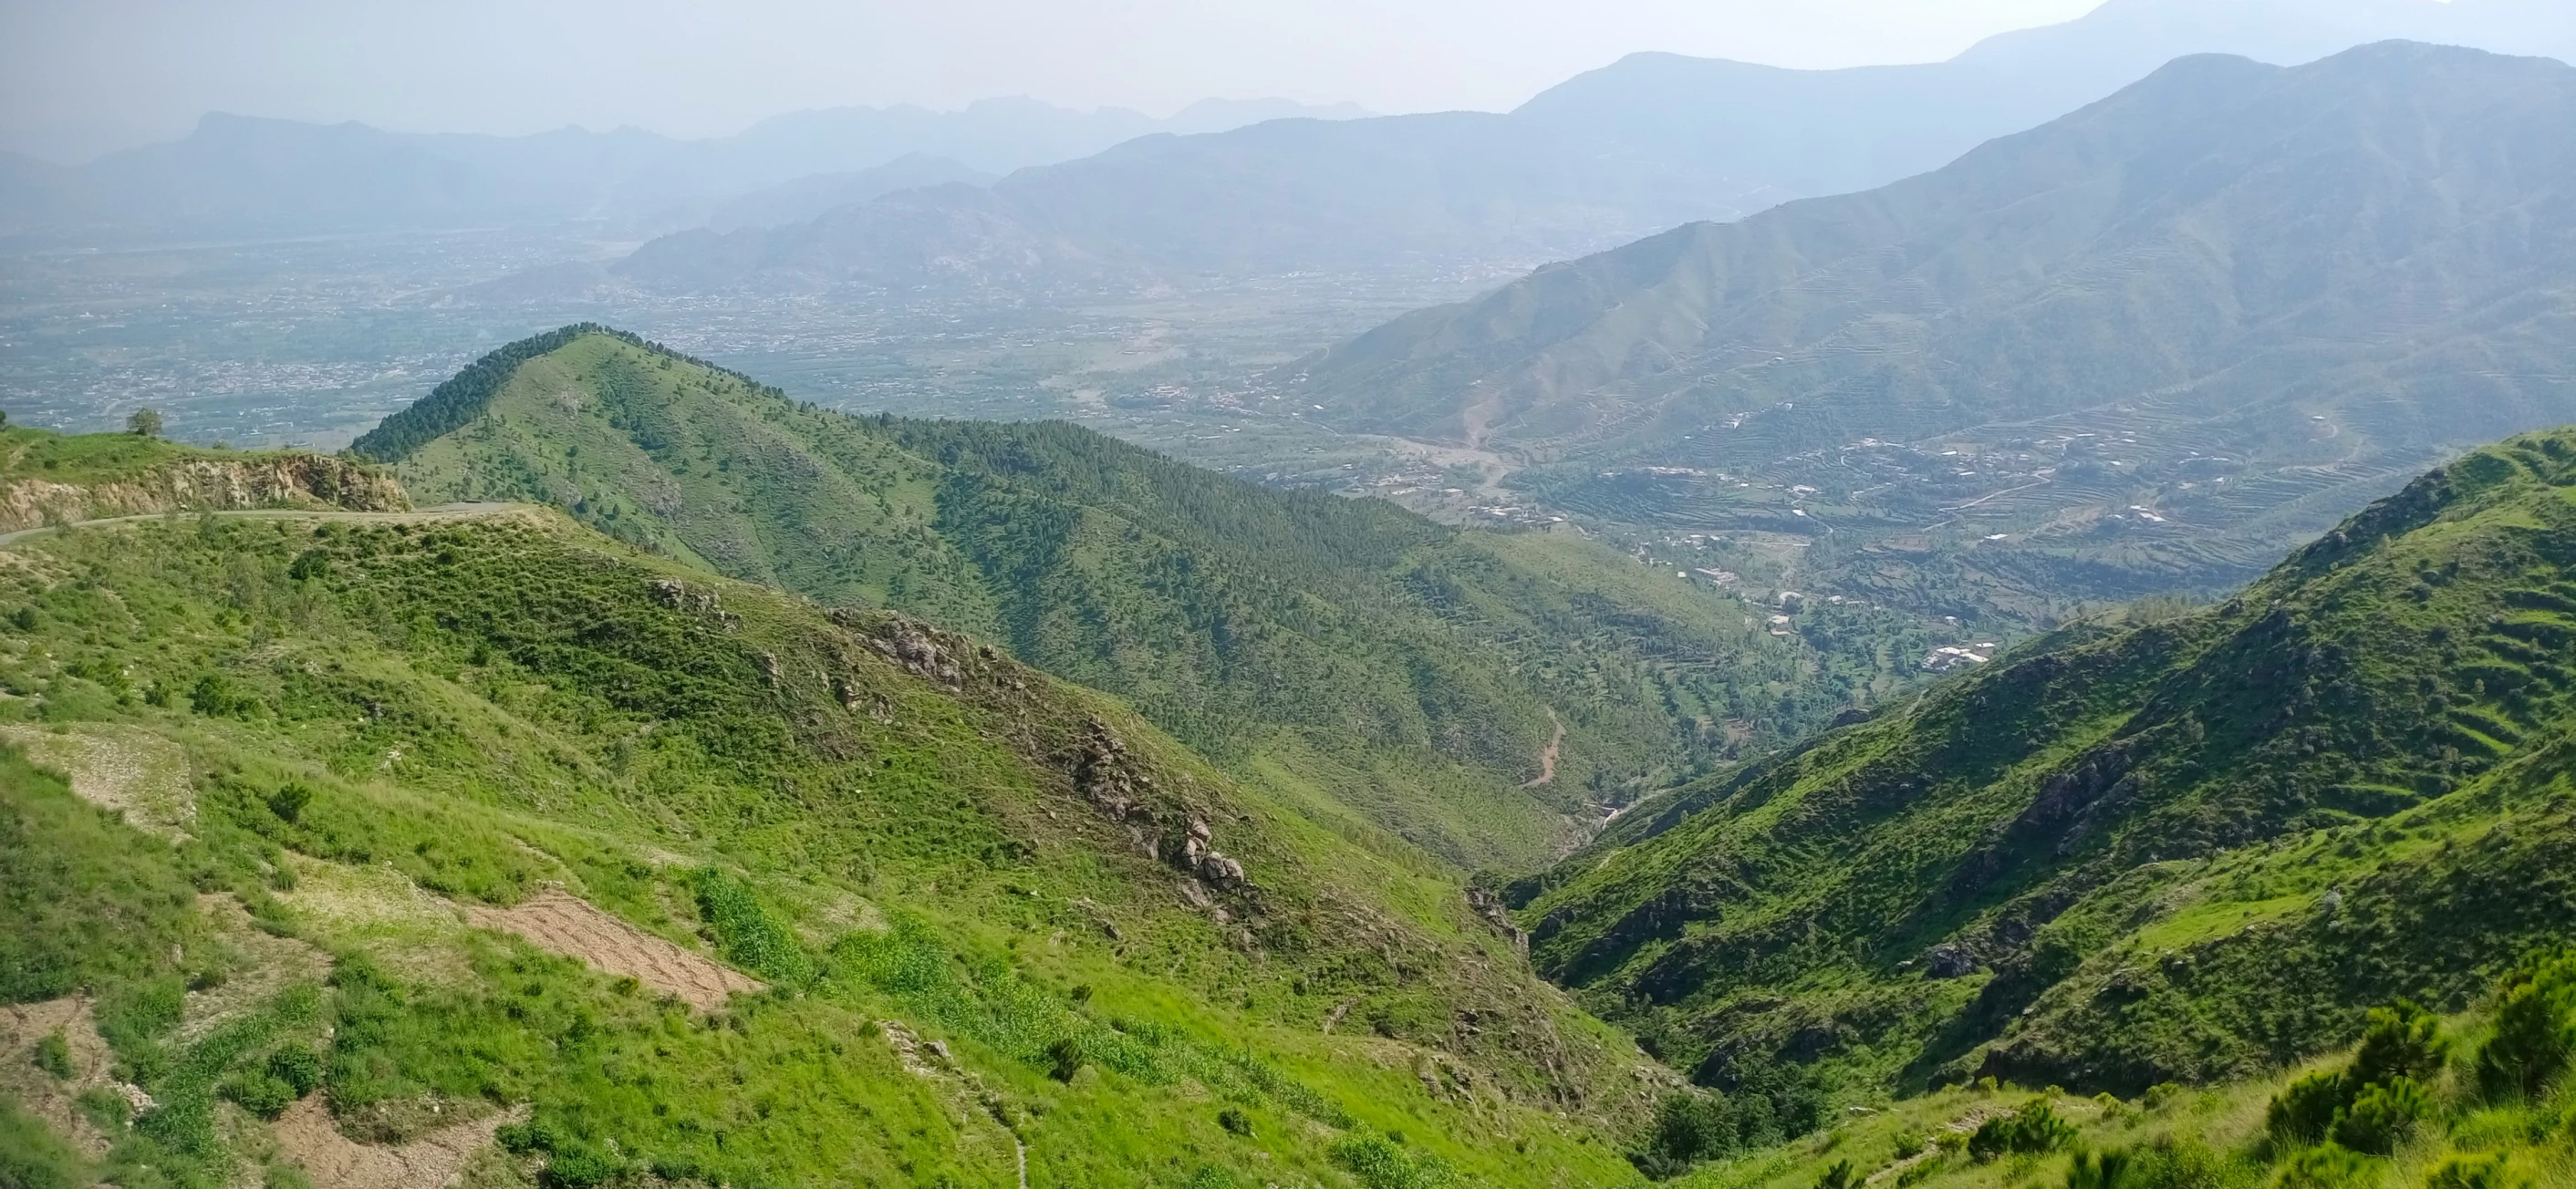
pixel 2177 848
pixel 1345 652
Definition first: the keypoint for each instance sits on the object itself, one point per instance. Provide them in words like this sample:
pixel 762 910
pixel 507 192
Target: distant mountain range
pixel 236 173
pixel 1636 147
pixel 2147 345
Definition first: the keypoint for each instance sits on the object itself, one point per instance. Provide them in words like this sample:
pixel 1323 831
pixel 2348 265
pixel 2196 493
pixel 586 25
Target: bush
pixel 2469 1170
pixel 2401 1040
pixel 2381 1116
pixel 2535 1029
pixel 216 696
pixel 1692 1126
pixel 260 1094
pixel 2305 1111
pixel 1840 1176
pixel 2103 1170
pixel 1235 1121
pixel 54 1055
pixel 298 1067
pixel 289 800
pixel 2328 1166
pixel 745 933
pixel 1380 1163
pixel 2031 1130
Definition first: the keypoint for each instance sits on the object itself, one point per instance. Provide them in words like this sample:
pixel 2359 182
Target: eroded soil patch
pixel 128 770
pixel 565 924
pixel 307 1137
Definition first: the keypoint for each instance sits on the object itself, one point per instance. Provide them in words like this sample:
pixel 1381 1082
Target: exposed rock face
pixel 1491 907
pixel 922 651
pixel 206 485
pixel 1948 961
pixel 1106 777
pixel 676 595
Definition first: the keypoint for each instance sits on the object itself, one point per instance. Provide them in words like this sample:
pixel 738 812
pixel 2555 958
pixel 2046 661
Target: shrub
pixel 1380 1163
pixel 216 696
pixel 2306 1110
pixel 260 1094
pixel 298 1067
pixel 2469 1170
pixel 2535 1016
pixel 1840 1176
pixel 745 933
pixel 1235 1121
pixel 54 1054
pixel 1064 1059
pixel 2381 1116
pixel 2103 1170
pixel 2032 1129
pixel 1693 1125
pixel 289 800
pixel 2401 1040
pixel 2327 1166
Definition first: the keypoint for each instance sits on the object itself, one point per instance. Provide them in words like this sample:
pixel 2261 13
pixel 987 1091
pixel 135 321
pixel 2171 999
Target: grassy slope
pixel 1345 653
pixel 485 707
pixel 2176 1138
pixel 2189 848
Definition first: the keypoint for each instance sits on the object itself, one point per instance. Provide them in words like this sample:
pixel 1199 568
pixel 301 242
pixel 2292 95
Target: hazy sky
pixel 81 76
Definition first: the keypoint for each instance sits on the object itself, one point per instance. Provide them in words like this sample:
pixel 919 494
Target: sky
pixel 80 77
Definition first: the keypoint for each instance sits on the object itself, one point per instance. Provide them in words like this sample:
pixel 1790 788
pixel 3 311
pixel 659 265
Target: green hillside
pixel 1376 668
pixel 2148 347
pixel 51 478
pixel 434 832
pixel 2188 848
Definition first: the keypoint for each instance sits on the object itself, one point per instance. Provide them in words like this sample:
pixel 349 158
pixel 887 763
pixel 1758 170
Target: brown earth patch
pixel 565 924
pixel 307 1137
pixel 131 772
pixel 42 1094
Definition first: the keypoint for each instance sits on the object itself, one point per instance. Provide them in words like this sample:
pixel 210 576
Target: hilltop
pixel 432 831
pixel 1485 695
pixel 2182 847
pixel 2148 347
pixel 50 478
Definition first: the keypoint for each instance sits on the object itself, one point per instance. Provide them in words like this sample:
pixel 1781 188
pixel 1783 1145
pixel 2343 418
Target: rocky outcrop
pixel 1105 776
pixel 205 485
pixel 1489 905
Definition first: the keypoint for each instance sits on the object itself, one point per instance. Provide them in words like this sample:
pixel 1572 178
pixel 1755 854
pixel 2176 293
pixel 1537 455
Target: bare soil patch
pixel 127 770
pixel 43 1095
pixel 307 1137
pixel 565 924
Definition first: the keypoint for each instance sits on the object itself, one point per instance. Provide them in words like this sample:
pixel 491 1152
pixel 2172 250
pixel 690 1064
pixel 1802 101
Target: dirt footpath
pixel 564 924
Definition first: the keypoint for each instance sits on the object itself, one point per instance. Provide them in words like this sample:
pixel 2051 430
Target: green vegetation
pixel 49 478
pixel 984 902
pixel 1343 654
pixel 2180 848
pixel 2460 1134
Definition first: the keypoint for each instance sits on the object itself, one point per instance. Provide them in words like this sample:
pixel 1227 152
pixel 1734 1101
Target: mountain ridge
pixel 2179 846
pixel 1372 661
pixel 2120 312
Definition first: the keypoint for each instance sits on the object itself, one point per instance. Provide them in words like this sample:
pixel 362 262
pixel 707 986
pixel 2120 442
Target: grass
pixel 2186 847
pixel 1405 670
pixel 462 712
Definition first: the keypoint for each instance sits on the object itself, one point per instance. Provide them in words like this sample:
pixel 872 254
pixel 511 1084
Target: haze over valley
pixel 1965 596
